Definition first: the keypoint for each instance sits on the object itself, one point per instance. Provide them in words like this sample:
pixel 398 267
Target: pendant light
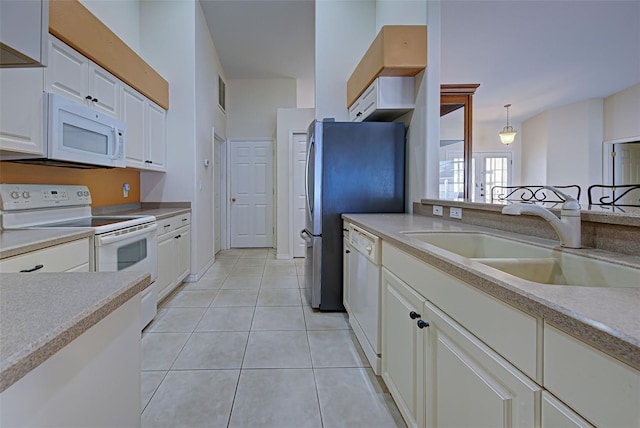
pixel 508 134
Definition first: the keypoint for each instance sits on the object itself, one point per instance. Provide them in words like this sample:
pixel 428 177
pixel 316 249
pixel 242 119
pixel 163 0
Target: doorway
pixel 219 193
pixel 297 191
pixel 251 193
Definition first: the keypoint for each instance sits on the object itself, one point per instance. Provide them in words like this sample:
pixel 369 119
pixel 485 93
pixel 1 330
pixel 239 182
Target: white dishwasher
pixel 364 292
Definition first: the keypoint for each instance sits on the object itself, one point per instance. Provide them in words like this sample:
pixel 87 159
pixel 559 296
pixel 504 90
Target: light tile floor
pixel 242 347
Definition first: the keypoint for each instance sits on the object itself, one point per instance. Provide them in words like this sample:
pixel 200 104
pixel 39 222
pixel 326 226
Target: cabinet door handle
pixel 88 97
pixel 95 100
pixel 348 252
pixel 33 269
pixel 413 315
pixel 178 236
pixel 422 324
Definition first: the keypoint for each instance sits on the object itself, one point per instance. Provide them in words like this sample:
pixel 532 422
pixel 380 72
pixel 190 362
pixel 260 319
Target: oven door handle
pixel 109 239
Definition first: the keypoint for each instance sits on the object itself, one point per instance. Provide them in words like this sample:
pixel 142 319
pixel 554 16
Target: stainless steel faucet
pixel 567 226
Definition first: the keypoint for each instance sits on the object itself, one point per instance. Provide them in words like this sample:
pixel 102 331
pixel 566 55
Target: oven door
pixel 134 248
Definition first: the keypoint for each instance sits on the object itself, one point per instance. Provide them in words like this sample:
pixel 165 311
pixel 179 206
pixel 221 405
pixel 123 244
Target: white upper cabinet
pixel 386 99
pixel 105 90
pixel 146 141
pixel 24 28
pixel 133 115
pixel 156 137
pixel 21 106
pixel 74 76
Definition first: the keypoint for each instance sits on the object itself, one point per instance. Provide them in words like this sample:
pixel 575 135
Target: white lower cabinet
pixel 483 363
pixel 68 257
pixel 601 389
pixel 174 253
pixel 469 384
pixel 94 381
pixel 402 347
pixel 346 256
pixel 556 414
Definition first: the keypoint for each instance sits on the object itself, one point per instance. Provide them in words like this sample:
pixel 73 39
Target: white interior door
pixel 251 194
pixel 298 198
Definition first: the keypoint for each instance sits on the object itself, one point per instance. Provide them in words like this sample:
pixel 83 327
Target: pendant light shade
pixel 508 134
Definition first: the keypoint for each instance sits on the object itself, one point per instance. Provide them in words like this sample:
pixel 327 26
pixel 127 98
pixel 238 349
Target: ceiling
pixel 535 54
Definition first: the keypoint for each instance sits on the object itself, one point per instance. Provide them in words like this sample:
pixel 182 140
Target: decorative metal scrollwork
pixel 532 193
pixel 627 195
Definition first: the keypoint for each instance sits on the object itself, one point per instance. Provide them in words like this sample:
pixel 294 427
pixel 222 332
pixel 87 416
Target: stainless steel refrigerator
pixel 350 168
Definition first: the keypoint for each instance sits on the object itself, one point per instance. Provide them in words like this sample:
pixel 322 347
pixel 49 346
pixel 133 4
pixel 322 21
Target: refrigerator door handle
pixel 305 235
pixel 306 179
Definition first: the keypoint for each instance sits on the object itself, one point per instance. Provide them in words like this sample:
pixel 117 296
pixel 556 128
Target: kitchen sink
pixel 480 245
pixel 531 262
pixel 568 269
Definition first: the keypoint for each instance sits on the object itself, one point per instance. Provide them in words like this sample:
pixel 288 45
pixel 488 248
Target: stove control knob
pixel 15 195
pixel 79 193
pixel 86 193
pixel 26 195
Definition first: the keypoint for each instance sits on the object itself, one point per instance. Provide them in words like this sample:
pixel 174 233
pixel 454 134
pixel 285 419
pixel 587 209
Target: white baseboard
pixel 283 257
pixel 194 278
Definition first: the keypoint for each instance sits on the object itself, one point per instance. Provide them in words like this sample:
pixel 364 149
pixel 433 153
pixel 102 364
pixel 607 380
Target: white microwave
pixel 76 133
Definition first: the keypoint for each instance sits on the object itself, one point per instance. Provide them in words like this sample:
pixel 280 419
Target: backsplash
pixel 105 184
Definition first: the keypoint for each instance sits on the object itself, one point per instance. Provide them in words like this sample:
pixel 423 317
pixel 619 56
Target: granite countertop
pixel 15 242
pixel 606 318
pixel 157 209
pixel 42 313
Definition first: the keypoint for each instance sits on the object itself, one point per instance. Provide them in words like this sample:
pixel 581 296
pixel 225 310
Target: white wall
pixel 122 17
pixel 344 31
pixel 288 119
pixel 400 12
pixel 563 146
pixel 252 106
pixel 533 138
pixel 174 39
pixel 209 116
pixel 622 115
pixel 574 146
pixel 305 93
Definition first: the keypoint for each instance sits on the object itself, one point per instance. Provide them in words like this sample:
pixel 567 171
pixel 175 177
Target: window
pixel 222 93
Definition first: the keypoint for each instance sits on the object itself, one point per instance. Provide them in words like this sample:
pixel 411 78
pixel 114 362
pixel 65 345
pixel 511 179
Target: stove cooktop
pixel 90 222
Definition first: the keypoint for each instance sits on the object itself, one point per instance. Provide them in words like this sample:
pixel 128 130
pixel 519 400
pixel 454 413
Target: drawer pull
pixel 178 236
pixel 33 269
pixel 413 315
pixel 422 324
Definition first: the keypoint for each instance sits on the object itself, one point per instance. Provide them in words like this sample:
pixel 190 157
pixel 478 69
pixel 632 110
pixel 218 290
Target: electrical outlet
pixel 455 213
pixel 437 210
pixel 125 190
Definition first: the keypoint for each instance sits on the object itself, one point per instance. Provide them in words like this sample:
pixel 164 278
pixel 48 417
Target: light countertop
pixel 606 318
pixel 42 313
pixel 15 242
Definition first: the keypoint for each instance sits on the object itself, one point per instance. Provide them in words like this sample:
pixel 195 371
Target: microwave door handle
pixel 117 145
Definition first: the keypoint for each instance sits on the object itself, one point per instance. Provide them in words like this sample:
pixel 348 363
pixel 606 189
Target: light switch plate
pixel 437 210
pixel 455 213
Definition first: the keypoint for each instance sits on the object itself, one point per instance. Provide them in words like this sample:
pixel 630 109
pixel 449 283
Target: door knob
pixel 233 199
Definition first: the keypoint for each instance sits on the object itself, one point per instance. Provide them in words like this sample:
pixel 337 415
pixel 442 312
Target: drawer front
pixel 601 389
pixel 167 225
pixel 355 113
pixel 183 219
pixel 509 331
pixel 59 258
pixel 369 98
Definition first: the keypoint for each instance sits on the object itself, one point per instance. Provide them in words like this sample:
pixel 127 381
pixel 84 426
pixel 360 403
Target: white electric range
pixel 119 242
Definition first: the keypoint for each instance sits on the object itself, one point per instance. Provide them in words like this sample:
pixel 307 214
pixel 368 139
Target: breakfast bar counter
pixel 40 314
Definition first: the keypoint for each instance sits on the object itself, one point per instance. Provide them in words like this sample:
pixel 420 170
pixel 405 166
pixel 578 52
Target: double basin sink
pixel 531 262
